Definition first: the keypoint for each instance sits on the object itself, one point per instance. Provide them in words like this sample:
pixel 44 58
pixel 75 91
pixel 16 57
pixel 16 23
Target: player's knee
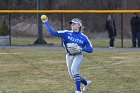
pixel 74 72
pixel 70 74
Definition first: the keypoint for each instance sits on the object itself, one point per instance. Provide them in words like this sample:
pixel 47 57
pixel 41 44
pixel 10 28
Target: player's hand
pixel 44 18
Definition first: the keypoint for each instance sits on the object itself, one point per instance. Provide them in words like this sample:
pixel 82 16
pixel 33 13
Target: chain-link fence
pixel 26 28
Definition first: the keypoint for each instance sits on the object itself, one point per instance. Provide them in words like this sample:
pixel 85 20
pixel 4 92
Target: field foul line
pixel 116 63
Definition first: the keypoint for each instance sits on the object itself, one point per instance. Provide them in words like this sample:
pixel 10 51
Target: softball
pixel 43 17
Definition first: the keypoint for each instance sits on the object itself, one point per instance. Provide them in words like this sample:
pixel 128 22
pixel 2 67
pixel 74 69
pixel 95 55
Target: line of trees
pixel 73 4
pixel 92 22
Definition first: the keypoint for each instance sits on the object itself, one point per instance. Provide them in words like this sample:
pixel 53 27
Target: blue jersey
pixel 70 36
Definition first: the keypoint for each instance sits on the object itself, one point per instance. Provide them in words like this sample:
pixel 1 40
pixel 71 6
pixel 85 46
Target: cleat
pixel 78 92
pixel 86 86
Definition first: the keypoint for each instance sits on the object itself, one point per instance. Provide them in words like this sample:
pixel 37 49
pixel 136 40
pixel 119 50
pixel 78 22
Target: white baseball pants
pixel 73 63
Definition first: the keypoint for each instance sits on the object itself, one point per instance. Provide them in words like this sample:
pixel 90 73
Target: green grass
pixel 36 70
pixel 105 43
pixel 30 40
pixel 57 41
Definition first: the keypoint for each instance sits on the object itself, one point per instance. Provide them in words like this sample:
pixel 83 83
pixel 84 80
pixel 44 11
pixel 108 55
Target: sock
pixel 77 80
pixel 84 81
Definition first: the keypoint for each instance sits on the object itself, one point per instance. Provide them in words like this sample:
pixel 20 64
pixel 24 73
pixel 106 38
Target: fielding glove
pixel 73 48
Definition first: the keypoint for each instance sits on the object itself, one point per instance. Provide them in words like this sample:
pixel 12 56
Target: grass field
pixel 42 70
pixel 57 41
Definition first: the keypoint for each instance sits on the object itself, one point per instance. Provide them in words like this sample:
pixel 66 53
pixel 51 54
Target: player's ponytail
pixel 81 29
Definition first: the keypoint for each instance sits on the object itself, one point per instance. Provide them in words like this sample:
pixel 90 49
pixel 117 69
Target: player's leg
pixel 74 70
pixel 86 83
pixel 78 78
pixel 83 80
pixel 69 61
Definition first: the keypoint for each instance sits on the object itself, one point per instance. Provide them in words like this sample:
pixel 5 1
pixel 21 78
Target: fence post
pixel 122 30
pixel 40 39
pixel 9 27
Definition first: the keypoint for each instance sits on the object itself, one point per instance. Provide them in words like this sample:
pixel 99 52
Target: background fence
pixel 25 26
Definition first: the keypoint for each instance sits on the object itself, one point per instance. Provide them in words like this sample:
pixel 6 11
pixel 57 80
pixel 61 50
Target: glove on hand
pixel 73 48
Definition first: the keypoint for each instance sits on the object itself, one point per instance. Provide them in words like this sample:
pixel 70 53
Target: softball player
pixel 75 43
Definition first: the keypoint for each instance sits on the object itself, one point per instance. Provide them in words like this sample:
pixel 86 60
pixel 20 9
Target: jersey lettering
pixel 75 39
